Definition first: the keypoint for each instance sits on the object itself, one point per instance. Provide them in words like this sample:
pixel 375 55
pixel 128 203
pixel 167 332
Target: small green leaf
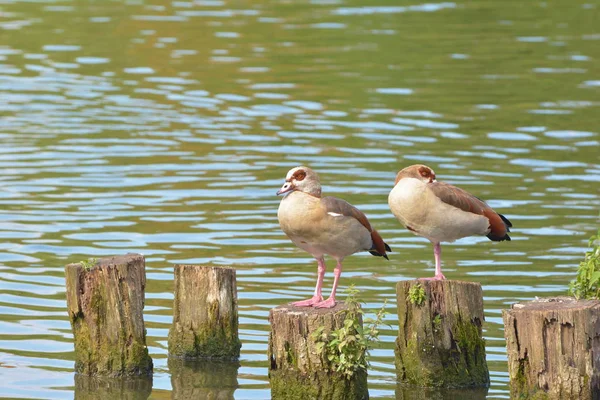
pixel 586 284
pixel 595 277
pixel 346 349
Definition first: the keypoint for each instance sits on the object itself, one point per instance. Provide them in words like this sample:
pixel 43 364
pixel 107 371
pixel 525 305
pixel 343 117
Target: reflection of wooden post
pixel 440 340
pixel 101 388
pixel 297 371
pixel 205 313
pixel 553 348
pixel 199 379
pixel 407 392
pixel 105 303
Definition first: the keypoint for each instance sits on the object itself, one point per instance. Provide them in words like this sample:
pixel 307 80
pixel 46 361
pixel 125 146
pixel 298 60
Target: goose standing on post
pixel 324 225
pixel 441 212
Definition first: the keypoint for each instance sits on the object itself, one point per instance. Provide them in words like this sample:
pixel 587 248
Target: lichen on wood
pixel 205 313
pixel 440 341
pixel 297 370
pixel 553 349
pixel 105 304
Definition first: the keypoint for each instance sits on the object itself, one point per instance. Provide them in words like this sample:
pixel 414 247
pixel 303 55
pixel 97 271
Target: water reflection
pixel 94 388
pixel 203 379
pixel 417 393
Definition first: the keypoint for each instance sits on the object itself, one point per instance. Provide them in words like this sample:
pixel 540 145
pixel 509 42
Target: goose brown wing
pixel 339 206
pixel 465 201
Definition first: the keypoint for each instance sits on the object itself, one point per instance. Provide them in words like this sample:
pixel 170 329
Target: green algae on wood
pixel 553 348
pixel 440 341
pixel 205 313
pixel 105 302
pixel 297 370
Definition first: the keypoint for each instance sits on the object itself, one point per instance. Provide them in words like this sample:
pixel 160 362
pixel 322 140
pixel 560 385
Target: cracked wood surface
pixel 553 348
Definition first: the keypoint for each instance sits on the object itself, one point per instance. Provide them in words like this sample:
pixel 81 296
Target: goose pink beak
pixel 285 188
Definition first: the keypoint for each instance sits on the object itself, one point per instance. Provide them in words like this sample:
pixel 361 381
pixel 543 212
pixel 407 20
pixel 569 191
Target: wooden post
pixel 102 388
pixel 205 313
pixel 198 379
pixel 296 370
pixel 440 340
pixel 105 303
pixel 553 348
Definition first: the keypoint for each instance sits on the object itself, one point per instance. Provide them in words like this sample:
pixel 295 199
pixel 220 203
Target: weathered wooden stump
pixel 205 313
pixel 297 371
pixel 105 303
pixel 199 379
pixel 553 348
pixel 440 340
pixel 102 388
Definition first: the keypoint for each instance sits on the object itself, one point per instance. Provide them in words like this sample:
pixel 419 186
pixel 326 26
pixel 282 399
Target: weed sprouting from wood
pixel 587 283
pixel 346 349
pixel 89 263
pixel 417 295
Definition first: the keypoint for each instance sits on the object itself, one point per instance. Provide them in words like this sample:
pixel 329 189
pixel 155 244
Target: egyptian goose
pixel 441 212
pixel 324 225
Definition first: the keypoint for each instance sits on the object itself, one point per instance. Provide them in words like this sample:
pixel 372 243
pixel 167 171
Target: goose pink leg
pixel 330 302
pixel 317 298
pixel 437 252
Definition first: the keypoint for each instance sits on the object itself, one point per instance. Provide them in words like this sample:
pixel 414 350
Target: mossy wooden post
pixel 198 379
pixel 296 371
pixel 205 313
pixel 105 300
pixel 440 340
pixel 553 348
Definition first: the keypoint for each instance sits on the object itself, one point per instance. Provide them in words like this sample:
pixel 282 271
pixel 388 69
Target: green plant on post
pixel 416 294
pixel 346 349
pixel 587 283
pixel 89 263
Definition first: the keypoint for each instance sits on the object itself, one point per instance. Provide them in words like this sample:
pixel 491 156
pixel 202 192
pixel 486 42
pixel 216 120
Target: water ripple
pixel 171 134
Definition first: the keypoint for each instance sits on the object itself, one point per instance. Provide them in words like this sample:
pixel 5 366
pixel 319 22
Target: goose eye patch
pixel 425 172
pixel 299 175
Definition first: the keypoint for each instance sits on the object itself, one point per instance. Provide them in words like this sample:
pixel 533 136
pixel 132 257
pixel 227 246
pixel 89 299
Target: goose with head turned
pixel 324 225
pixel 441 212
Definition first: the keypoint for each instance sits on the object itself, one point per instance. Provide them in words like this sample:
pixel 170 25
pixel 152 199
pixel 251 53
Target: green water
pixel 166 128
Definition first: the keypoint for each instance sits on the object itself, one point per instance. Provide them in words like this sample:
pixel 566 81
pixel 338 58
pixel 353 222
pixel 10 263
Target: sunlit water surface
pixel 165 128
